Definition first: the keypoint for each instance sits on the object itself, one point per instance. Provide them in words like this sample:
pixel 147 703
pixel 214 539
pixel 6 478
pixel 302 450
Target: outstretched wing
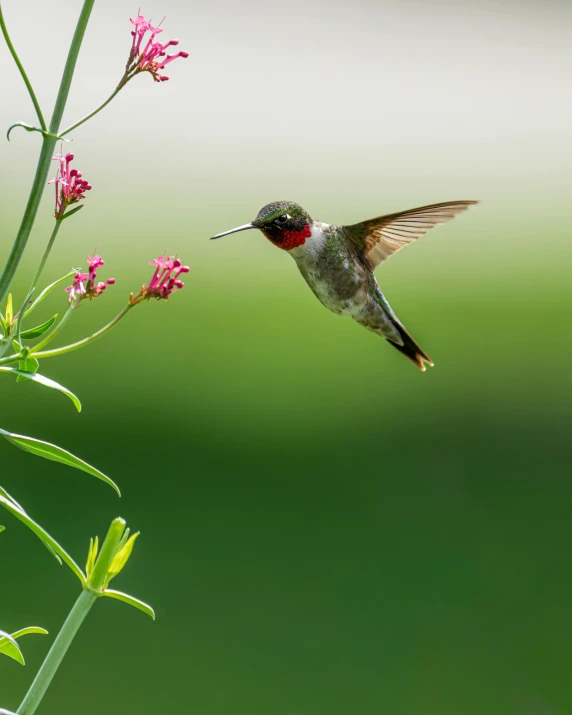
pixel 379 238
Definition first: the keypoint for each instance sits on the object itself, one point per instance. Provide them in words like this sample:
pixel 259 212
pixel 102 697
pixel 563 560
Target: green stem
pixel 70 66
pixel 92 114
pixel 46 153
pixel 44 258
pixel 37 277
pixel 80 343
pixel 4 346
pixel 29 217
pixel 11 358
pixel 22 71
pixel 66 316
pixel 57 652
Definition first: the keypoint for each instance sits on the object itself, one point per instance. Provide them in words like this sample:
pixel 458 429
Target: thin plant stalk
pixel 92 114
pixel 46 152
pixel 39 354
pixel 92 590
pixel 22 71
pixel 57 652
pixel 80 343
pixel 48 339
pixel 37 277
pixel 5 345
pixel 12 358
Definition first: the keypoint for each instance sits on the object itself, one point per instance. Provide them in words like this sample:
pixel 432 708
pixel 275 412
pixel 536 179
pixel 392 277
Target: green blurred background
pixel 325 530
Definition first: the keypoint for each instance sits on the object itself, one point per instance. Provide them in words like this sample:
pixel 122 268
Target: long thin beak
pixel 234 230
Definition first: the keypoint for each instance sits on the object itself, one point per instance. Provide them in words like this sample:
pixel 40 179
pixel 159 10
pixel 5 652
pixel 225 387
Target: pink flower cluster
pixel 166 279
pixel 84 284
pixel 149 59
pixel 70 186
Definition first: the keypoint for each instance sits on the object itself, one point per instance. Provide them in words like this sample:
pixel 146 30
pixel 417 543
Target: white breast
pixel 314 245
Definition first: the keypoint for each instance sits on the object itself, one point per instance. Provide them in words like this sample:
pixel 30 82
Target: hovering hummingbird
pixel 337 262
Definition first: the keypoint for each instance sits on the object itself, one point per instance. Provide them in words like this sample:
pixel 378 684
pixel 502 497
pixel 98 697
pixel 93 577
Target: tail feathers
pixel 410 348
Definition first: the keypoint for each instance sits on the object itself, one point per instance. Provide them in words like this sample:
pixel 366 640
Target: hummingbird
pixel 338 262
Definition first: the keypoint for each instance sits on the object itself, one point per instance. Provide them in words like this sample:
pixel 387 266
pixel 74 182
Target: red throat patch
pixel 291 239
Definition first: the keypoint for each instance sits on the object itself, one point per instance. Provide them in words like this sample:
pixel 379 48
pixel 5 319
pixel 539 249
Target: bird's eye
pixel 281 220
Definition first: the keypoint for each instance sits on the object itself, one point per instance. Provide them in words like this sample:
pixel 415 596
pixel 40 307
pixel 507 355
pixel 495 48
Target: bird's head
pixel 285 223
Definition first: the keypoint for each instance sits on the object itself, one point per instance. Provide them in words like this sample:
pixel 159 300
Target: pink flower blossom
pixel 152 57
pixel 84 284
pixel 165 279
pixel 70 186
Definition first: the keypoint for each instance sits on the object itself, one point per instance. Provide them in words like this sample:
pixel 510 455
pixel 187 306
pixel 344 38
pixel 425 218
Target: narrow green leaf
pixel 25 126
pixel 12 651
pixel 9 647
pixel 121 557
pixel 39 329
pixel 7 712
pixel 2 528
pixel 135 602
pixel 70 213
pixel 56 454
pixel 4 493
pixel 122 541
pixel 35 377
pixel 29 630
pixel 3 323
pixel 43 535
pixel 91 556
pixel 10 498
pixel 7 637
pixel 27 365
pixel 47 290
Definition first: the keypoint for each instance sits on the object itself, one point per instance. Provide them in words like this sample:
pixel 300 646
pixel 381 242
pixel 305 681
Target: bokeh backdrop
pixel 325 530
